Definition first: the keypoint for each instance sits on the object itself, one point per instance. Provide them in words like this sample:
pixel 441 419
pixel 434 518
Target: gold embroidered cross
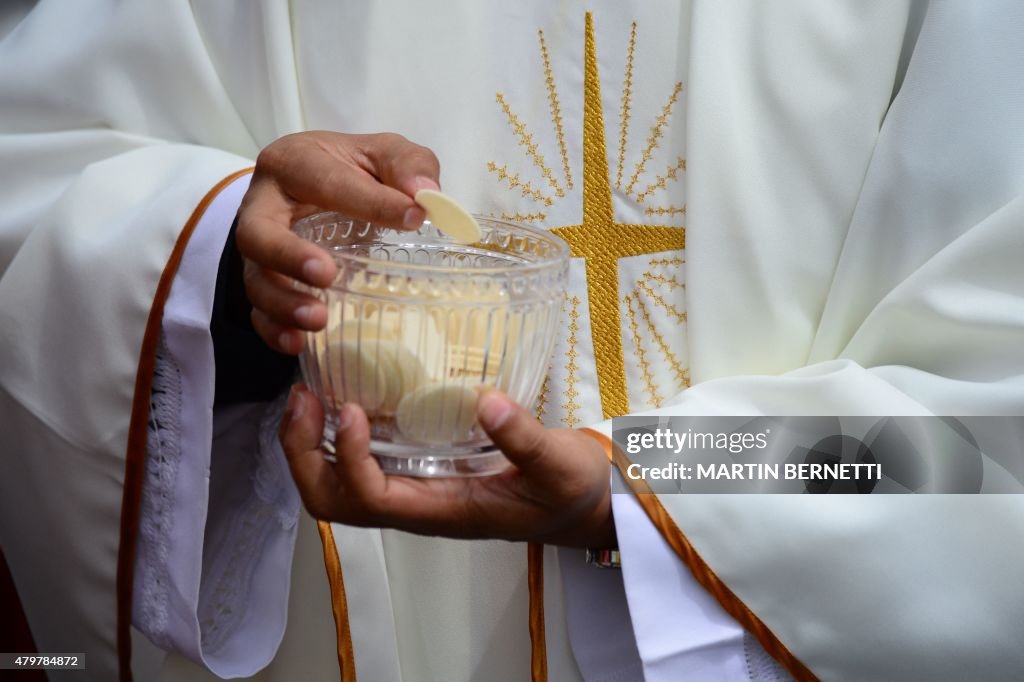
pixel 602 242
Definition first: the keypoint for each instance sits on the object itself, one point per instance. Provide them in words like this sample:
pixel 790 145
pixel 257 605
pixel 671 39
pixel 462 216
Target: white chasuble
pixel 837 261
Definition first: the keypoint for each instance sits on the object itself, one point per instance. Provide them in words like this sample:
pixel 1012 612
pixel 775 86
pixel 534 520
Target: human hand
pixel 557 491
pixel 369 177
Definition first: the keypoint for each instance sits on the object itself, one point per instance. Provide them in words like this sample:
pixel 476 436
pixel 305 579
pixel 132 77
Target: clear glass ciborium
pixel 418 324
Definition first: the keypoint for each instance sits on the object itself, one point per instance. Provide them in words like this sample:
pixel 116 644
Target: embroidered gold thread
pixel 525 138
pixel 570 405
pixel 556 109
pixel 671 173
pixel 525 188
pixel 666 210
pixel 627 98
pixel 660 301
pixel 650 386
pixel 540 408
pixel 598 239
pixel 666 262
pixel 682 374
pixel 672 282
pixel 602 242
pixel 657 130
pixel 538 217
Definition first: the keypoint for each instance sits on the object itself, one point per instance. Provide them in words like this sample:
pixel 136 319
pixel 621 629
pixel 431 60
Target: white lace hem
pixel 163 452
pixel 235 542
pixel 251 523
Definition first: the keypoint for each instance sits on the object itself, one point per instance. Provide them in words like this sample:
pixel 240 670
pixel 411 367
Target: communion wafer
pixel 446 215
pixel 383 355
pixel 376 370
pixel 405 373
pixel 411 373
pixel 360 377
pixel 437 413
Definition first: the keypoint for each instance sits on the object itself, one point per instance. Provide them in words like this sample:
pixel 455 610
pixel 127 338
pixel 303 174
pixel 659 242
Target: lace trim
pixel 222 592
pixel 760 666
pixel 272 507
pixel 229 557
pixel 163 453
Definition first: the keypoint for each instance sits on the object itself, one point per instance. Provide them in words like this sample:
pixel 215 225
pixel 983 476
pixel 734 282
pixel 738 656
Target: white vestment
pixel 852 198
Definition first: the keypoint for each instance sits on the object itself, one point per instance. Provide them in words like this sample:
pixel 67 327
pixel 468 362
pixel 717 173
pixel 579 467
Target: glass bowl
pixel 418 324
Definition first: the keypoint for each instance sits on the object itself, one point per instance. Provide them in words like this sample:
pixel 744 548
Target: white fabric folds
pixel 922 313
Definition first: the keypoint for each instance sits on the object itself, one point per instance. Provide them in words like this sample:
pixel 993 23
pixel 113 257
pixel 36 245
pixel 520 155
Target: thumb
pixel 519 435
pixel 300 433
pixel 302 423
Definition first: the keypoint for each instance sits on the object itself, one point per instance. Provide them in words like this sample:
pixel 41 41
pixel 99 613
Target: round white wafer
pixel 359 377
pixel 436 413
pixel 411 371
pixel 404 371
pixel 446 215
pixel 387 363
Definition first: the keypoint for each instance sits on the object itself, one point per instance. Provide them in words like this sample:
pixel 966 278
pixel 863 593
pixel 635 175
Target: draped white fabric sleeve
pixel 109 139
pixel 219 510
pixel 672 629
pixel 682 633
pixel 651 620
pixel 924 315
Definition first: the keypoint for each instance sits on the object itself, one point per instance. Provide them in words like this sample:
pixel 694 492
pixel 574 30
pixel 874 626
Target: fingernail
pixel 493 410
pixel 345 417
pixel 313 270
pixel 294 408
pixel 423 182
pixel 285 341
pixel 304 315
pixel 413 218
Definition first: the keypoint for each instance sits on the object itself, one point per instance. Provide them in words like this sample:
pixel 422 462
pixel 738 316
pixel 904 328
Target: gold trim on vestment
pixel 538 636
pixel 339 603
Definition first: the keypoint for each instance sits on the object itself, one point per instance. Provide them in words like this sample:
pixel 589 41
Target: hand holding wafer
pixel 369 177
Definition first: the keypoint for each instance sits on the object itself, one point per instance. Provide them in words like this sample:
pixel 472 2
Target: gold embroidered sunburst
pixel 599 239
